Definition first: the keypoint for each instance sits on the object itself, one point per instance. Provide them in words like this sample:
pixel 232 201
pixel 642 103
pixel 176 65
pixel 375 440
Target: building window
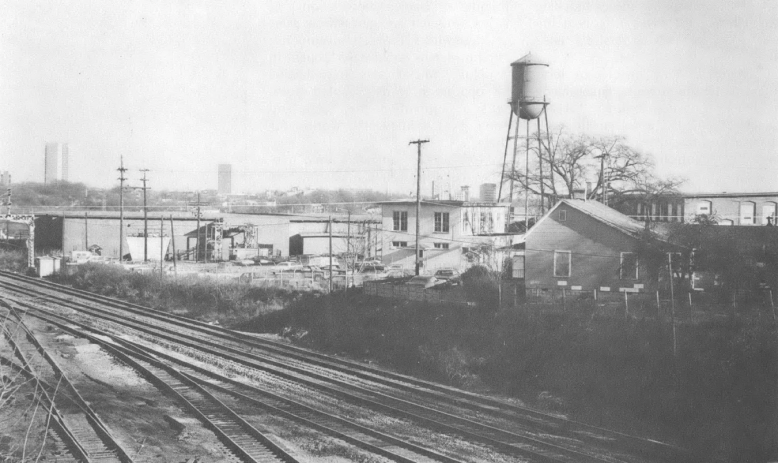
pixel 562 263
pixel 441 245
pixel 400 221
pixel 704 207
pixel 487 225
pixel 465 221
pixel 629 266
pixel 399 244
pixel 441 222
pixel 562 216
pixel 518 265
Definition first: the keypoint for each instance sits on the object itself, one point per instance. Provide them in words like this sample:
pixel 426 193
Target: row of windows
pixel 404 244
pixel 400 221
pixel 628 268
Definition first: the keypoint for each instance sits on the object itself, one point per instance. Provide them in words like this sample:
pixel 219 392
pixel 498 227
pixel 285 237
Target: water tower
pixel 528 102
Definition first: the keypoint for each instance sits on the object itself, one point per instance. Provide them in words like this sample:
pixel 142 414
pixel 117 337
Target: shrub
pixel 14 260
pixel 480 286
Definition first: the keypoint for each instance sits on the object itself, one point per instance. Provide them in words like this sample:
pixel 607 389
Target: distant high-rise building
pixel 56 162
pixel 488 193
pixel 5 178
pixel 225 179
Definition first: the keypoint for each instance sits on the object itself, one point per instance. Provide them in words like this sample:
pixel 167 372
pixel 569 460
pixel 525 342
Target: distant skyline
pixel 328 94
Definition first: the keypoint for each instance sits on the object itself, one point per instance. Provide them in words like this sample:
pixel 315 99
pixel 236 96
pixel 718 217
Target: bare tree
pixel 607 165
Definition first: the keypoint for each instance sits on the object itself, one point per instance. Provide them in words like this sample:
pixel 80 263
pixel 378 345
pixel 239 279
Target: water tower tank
pixel 528 86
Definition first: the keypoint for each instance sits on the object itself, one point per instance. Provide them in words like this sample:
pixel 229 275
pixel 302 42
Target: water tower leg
pixel 505 155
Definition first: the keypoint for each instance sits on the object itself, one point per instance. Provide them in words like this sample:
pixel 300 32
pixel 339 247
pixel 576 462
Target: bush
pixel 481 286
pixel 13 260
pixel 227 302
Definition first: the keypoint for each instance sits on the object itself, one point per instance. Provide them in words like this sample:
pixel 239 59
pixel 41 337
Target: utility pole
pixel 173 243
pixel 672 302
pixel 418 144
pixel 348 248
pixel 161 248
pixel 197 240
pixel 8 213
pixel 145 219
pixel 329 228
pixel 121 170
pixel 86 231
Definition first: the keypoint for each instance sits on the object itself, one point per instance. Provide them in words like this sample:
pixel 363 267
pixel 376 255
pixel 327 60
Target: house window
pixel 399 244
pixel 518 265
pixel 400 221
pixel 441 245
pixel 562 216
pixel 629 266
pixel 562 263
pixel 441 222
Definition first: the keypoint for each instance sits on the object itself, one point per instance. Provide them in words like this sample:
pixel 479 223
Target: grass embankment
pixel 229 303
pixel 718 397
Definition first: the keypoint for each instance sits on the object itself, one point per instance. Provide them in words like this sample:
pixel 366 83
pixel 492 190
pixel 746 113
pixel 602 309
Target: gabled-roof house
pixel 585 245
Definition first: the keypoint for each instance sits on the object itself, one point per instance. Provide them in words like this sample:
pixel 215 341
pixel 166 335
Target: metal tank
pixel 528 86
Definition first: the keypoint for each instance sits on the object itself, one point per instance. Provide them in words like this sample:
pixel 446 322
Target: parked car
pixel 306 271
pixel 448 274
pixel 423 281
pixel 289 264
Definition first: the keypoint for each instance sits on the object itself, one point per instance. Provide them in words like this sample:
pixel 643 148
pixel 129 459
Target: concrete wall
pixel 595 253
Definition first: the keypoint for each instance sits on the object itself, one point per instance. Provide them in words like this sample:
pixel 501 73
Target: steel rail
pixel 506 441
pixel 535 418
pixel 292 410
pixel 70 441
pixel 217 416
pixel 91 444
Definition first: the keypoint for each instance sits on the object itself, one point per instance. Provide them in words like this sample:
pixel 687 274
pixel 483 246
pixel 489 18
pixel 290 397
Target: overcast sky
pixel 329 93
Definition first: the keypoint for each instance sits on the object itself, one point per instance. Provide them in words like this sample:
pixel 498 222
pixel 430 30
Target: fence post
pixel 515 296
pixel 691 307
pixel 771 304
pixel 658 305
pixel 626 306
pixel 564 301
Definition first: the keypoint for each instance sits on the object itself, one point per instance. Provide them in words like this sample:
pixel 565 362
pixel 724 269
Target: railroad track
pixel 246 443
pixel 257 353
pixel 204 379
pixel 88 437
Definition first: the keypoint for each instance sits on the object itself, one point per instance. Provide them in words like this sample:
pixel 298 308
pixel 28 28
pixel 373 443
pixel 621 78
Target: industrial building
pixel 56 163
pixel 724 208
pixel 214 237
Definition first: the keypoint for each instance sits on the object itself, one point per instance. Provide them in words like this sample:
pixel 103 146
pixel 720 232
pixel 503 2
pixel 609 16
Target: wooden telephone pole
pixel 145 219
pixel 418 144
pixel 122 178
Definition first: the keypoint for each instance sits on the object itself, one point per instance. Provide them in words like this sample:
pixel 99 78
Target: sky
pixel 329 93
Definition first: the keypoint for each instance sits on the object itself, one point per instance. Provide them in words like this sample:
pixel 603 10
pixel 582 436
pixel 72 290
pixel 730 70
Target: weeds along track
pixel 63 444
pixel 243 440
pixel 505 426
pixel 86 436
